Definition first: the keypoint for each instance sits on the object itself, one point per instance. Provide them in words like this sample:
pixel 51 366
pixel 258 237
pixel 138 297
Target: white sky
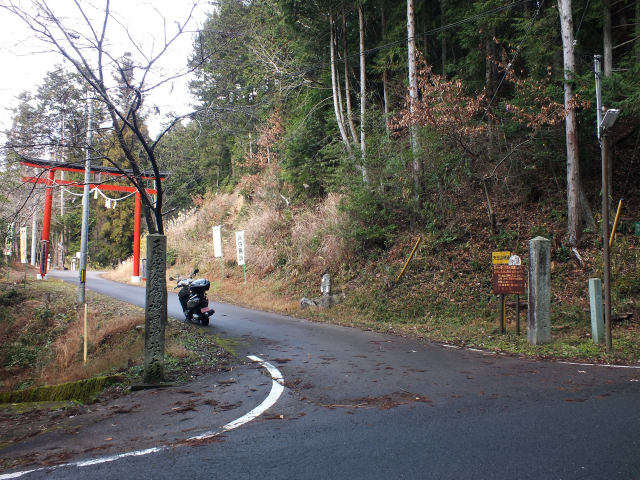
pixel 25 62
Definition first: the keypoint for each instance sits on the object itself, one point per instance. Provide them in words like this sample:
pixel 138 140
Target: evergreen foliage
pixel 491 107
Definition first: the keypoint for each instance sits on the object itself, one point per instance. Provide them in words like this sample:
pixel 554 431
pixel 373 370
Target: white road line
pixel 605 365
pixel 488 353
pixel 276 390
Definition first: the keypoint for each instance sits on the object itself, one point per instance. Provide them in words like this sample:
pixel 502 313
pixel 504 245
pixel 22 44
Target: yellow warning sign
pixel 500 258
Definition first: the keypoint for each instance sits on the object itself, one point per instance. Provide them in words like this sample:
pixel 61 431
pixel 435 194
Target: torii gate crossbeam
pixel 50 181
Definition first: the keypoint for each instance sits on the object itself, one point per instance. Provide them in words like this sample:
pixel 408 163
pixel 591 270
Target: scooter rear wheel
pixel 204 321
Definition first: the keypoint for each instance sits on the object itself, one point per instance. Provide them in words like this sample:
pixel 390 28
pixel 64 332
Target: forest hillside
pixel 445 294
pixel 336 134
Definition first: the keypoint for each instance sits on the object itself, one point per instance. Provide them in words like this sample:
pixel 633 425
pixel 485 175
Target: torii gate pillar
pixel 135 278
pixel 46 224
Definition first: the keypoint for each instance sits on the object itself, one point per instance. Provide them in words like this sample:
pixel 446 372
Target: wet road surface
pixel 364 405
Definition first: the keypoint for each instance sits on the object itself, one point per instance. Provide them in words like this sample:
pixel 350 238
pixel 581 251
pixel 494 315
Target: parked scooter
pixel 193 299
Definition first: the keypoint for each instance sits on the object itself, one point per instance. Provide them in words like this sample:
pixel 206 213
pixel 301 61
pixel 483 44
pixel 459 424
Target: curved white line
pixel 276 390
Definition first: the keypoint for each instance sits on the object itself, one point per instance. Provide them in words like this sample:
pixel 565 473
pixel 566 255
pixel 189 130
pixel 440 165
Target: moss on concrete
pixel 84 391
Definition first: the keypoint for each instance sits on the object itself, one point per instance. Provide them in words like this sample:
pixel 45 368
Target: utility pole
pixel 62 159
pixel 85 205
pixel 604 126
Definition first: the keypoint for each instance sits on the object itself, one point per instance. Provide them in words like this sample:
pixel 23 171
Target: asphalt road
pixel 361 405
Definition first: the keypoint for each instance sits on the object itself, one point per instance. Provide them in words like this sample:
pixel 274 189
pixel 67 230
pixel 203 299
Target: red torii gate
pixel 51 167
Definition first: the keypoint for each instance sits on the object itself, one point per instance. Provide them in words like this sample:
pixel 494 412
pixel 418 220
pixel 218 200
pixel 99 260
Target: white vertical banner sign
pixel 23 244
pixel 217 241
pixel 240 247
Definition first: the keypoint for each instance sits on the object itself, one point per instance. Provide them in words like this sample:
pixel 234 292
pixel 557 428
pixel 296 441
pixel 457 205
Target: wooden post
pixel 86 334
pixel 517 314
pixel 605 242
pixel 501 313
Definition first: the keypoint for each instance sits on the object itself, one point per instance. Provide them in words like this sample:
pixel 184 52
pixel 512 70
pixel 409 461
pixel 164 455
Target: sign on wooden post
pixel 509 278
pixel 500 258
pixel 23 244
pixel 241 252
pixel 240 247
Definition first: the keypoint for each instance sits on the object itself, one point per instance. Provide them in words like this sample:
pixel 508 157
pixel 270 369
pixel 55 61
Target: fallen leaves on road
pixel 384 402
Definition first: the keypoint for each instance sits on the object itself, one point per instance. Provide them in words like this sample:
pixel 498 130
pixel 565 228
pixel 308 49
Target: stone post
pixel 155 317
pixel 325 284
pixel 539 328
pixel 595 302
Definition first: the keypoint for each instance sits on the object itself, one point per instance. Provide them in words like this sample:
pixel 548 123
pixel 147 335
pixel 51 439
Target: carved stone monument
pixel 156 310
pixel 325 284
pixel 539 329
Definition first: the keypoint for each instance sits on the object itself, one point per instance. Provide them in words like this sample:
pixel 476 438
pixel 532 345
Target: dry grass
pixel 294 242
pixel 319 247
pixel 122 273
pixel 112 342
pixel 265 294
pixel 176 349
pixel 42 335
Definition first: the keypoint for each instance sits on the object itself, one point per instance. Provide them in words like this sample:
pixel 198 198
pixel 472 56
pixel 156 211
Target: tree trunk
pixel 443 39
pixel 347 84
pixel 574 224
pixel 607 47
pixel 385 79
pixel 337 104
pixel 413 94
pixel 490 86
pixel 363 94
pixel 607 40
pixel 586 211
pixel 637 30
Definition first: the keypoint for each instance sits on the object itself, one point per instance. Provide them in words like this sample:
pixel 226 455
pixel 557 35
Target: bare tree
pixel 335 86
pixel 87 48
pixel 347 84
pixel 88 43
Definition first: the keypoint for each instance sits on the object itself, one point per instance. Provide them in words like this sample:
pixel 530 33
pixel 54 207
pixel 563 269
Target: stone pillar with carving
pixel 155 318
pixel 539 329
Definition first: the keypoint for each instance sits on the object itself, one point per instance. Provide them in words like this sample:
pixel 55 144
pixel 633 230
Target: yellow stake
pixel 85 332
pixel 409 259
pixel 615 224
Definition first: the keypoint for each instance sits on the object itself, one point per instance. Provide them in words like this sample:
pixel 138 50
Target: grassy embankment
pixel 41 338
pixel 444 296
